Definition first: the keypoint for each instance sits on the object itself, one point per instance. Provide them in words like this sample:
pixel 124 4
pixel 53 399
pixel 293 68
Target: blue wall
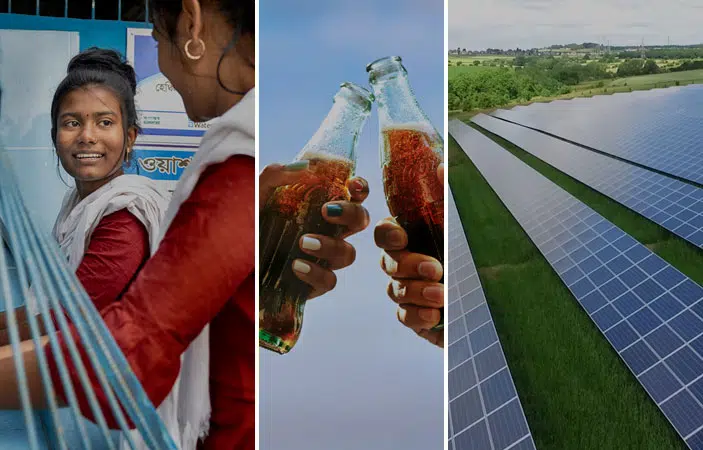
pixel 93 33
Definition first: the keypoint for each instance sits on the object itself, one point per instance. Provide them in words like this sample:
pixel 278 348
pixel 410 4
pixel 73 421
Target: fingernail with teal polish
pixel 334 210
pixel 296 166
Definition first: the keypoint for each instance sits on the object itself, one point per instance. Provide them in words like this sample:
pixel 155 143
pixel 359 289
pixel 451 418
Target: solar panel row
pixel 659 129
pixel 673 204
pixel 648 311
pixel 484 408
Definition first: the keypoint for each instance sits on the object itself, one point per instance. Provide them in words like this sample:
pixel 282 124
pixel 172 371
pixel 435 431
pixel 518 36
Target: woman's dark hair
pixel 100 67
pixel 240 14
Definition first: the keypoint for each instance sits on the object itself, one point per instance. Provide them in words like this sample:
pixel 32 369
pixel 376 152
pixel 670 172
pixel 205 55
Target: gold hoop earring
pixel 187 49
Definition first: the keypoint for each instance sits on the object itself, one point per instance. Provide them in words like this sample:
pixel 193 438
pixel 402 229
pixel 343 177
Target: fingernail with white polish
pixel 310 243
pixel 300 266
pixel 401 314
pixel 399 290
pixel 390 263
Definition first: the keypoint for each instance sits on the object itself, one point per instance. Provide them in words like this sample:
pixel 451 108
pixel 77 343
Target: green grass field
pixel 645 80
pixel 576 392
pixel 453 71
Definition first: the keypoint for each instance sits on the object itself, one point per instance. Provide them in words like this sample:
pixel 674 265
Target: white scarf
pixel 75 224
pixel 231 134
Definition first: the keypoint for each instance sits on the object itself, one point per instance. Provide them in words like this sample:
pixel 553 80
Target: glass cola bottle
pixel 295 210
pixel 411 150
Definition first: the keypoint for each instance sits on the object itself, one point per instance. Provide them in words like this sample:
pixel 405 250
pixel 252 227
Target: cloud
pixel 536 23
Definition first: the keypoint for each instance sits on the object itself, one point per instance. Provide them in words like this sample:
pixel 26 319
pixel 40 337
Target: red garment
pixel 203 272
pixel 118 248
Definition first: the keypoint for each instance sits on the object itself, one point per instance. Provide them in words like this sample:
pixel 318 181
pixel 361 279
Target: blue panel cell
pixel 572 275
pixel 669 277
pixel 666 306
pixel 613 234
pixel 457 329
pixel 606 317
pixel 688 292
pixel 466 409
pixel 475 438
pixel 685 215
pixel 586 236
pixel 632 276
pixel 624 243
pixel 639 357
pixel 695 442
pixel 672 223
pixel 684 412
pixel 563 265
pixel 685 230
pixel 697 221
pixel 697 389
pixel 652 264
pixel 482 338
pixel 461 379
pixel 582 287
pixel 580 254
pixel 601 276
pixel 659 382
pixel 596 244
pixel 458 352
pixel 628 303
pixel 619 264
pixel 555 255
pixel 589 264
pixel 593 301
pixel 603 227
pixel 571 245
pixel 648 291
pixel 613 288
pixel 621 335
pixel 489 362
pixel 685 364
pixel 644 321
pixel 637 253
pixel 607 254
pixel 673 208
pixel 563 237
pixel 687 325
pixel 593 220
pixel 663 341
pixel 697 238
pixel 497 390
pixel 507 425
pixel 477 317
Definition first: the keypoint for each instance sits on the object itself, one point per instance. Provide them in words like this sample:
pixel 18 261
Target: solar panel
pixel 673 204
pixel 484 408
pixel 648 311
pixel 660 130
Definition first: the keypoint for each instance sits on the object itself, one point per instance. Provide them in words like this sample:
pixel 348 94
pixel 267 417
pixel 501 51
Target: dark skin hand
pixel 414 284
pixel 336 251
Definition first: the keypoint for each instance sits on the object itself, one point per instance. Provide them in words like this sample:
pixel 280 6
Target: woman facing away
pixel 197 290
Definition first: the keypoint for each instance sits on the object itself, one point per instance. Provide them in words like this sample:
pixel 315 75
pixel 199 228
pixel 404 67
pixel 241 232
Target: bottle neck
pixel 396 102
pixel 339 132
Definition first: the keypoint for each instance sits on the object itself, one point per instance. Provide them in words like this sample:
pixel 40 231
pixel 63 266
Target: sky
pixel 357 378
pixel 538 23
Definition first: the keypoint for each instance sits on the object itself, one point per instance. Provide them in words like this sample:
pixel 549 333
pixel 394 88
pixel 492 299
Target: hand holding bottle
pixel 335 251
pixel 414 281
